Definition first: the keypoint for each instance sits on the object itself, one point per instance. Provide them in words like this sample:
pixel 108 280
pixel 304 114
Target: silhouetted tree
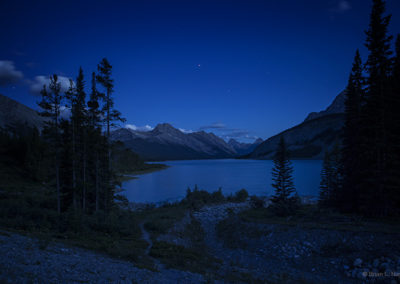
pixel 284 200
pixel 351 148
pixel 111 115
pixel 331 178
pixel 375 127
pixel 51 105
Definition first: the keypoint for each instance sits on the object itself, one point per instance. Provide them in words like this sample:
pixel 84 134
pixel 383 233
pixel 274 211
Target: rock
pixel 375 263
pixel 384 266
pixel 354 273
pixel 357 262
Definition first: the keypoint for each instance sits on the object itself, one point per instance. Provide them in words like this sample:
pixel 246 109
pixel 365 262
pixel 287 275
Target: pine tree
pixel 95 138
pixel 284 200
pixel 395 129
pixel 51 105
pixel 351 150
pixel 79 119
pixel 331 178
pixel 375 117
pixel 111 116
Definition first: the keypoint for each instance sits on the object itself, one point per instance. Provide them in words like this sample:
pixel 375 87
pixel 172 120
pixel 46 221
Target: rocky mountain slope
pixel 165 142
pixel 311 138
pixel 337 106
pixel 244 148
pixel 13 112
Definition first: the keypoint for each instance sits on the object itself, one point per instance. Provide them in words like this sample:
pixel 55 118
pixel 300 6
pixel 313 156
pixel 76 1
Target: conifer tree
pixel 284 200
pixel 331 178
pixel 351 148
pixel 95 138
pixel 51 105
pixel 375 118
pixel 111 116
pixel 395 128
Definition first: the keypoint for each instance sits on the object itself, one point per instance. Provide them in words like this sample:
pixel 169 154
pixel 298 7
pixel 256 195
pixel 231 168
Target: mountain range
pixel 165 142
pixel 309 139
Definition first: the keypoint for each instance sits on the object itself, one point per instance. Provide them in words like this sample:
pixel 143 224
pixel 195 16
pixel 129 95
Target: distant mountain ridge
pixel 13 113
pixel 311 138
pixel 337 106
pixel 244 148
pixel 165 142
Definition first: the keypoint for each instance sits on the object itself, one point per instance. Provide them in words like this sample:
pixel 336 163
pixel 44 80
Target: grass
pixel 158 221
pixel 187 259
pixel 312 217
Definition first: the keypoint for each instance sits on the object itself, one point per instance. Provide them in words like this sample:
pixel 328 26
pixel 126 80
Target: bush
pixel 256 202
pixel 198 198
pixel 240 196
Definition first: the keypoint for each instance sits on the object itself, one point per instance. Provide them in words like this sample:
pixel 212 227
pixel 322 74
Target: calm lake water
pixel 231 175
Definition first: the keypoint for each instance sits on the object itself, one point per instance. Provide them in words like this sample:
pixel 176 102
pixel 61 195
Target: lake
pixel 230 174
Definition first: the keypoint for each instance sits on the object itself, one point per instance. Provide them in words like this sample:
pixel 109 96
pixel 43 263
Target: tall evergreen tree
pixel 80 120
pixel 331 178
pixel 376 119
pixel 111 116
pixel 284 201
pixel 351 148
pixel 51 106
pixel 95 138
pixel 395 127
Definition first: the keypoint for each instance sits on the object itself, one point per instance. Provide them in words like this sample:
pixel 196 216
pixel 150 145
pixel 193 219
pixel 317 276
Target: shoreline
pixel 133 175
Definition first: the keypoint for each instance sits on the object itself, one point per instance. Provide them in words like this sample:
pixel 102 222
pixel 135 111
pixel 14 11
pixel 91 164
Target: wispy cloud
pixel 227 133
pixel 139 128
pixel 37 84
pixel 8 73
pixel 216 125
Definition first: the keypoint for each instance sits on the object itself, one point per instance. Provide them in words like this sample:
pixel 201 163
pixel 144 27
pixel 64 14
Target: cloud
pixel 139 128
pixel 217 125
pixel 8 73
pixel 185 130
pixel 37 84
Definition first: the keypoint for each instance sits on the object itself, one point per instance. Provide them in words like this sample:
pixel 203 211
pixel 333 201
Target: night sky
pixel 241 69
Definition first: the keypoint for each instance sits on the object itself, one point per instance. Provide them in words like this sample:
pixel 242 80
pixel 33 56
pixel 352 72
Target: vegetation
pixel 367 179
pixel 285 199
pixel 331 177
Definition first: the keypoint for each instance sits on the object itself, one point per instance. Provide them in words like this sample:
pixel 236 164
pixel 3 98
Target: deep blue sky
pixel 257 67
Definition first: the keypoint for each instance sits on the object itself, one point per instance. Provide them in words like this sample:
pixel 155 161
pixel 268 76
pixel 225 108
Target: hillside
pixel 311 138
pixel 13 112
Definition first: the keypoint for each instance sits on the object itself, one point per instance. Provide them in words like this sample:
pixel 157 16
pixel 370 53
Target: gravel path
pixel 23 261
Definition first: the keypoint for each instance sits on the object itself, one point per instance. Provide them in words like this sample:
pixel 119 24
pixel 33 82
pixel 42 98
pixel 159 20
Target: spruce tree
pixel 111 116
pixel 395 129
pixel 351 148
pixel 284 200
pixel 95 138
pixel 331 178
pixel 375 118
pixel 51 106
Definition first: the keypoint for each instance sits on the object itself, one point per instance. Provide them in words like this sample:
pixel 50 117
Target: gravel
pixel 23 261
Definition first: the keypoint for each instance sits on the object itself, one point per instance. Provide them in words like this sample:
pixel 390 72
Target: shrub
pixel 256 202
